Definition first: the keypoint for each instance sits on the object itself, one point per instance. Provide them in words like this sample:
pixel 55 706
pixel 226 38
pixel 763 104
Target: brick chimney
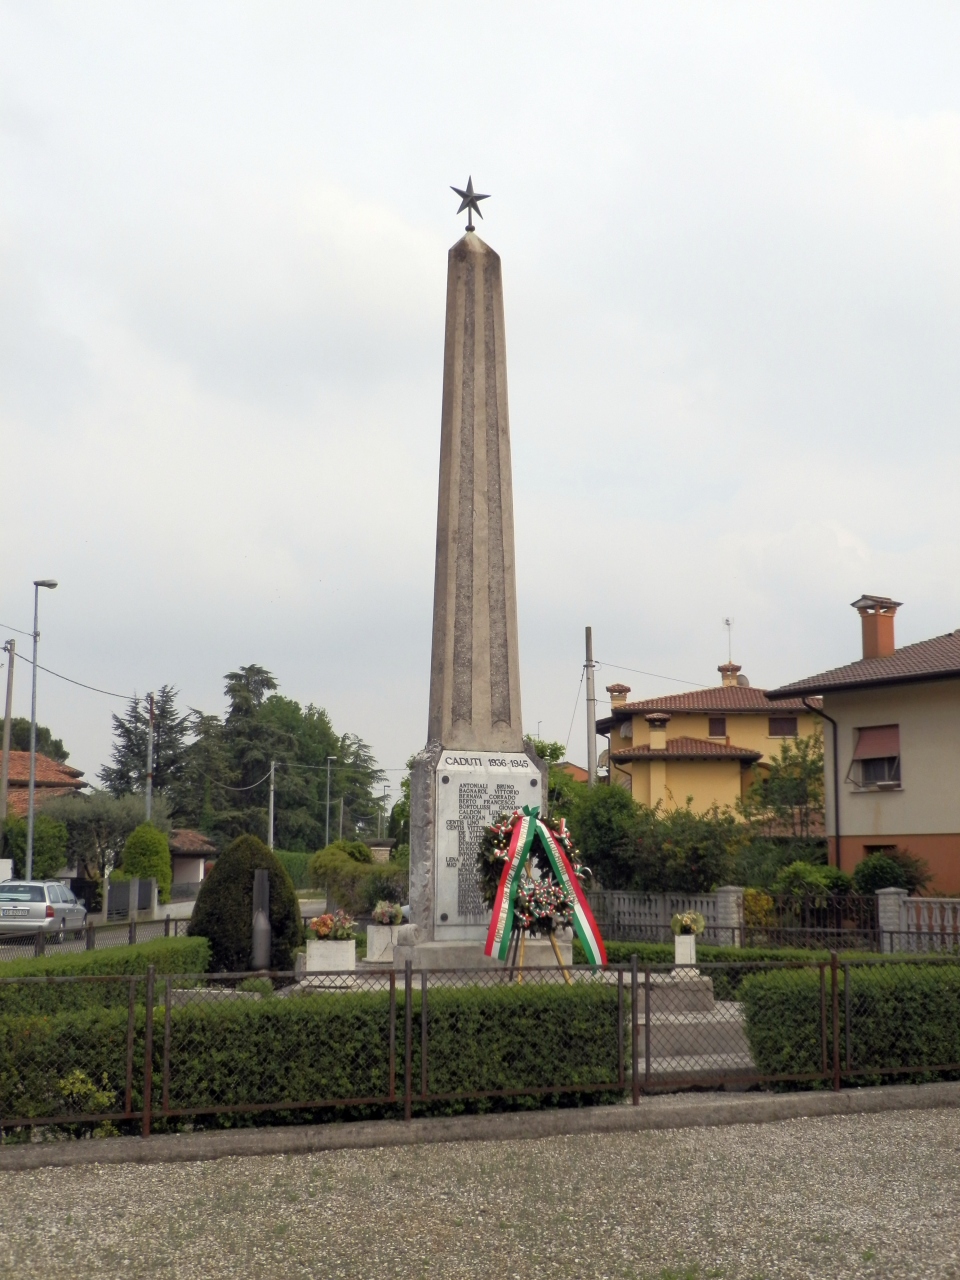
pixel 658 720
pixel 729 672
pixel 876 622
pixel 618 693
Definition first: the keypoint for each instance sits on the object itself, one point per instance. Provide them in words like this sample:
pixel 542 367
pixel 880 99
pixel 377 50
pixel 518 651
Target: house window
pixel 783 726
pixel 876 758
pixel 718 726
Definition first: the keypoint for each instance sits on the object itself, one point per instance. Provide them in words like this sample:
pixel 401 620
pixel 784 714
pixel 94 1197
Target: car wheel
pixel 61 933
pixel 81 932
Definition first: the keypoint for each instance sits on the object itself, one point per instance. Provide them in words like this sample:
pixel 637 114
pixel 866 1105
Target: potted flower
pixel 334 946
pixel 382 934
pixel 686 925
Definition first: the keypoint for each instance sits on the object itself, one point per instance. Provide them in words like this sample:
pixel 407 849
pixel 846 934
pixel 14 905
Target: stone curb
pixel 672 1111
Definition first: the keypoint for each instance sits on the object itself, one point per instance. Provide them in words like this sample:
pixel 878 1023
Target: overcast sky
pixel 732 279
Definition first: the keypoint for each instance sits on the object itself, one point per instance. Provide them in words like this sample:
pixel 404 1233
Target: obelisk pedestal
pixel 476 764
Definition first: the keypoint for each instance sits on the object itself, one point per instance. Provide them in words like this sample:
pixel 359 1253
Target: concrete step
pixel 683 1034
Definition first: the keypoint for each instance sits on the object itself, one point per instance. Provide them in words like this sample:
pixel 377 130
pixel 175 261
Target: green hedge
pixel 329 1045
pixel 296 865
pixel 902 1015
pixel 167 955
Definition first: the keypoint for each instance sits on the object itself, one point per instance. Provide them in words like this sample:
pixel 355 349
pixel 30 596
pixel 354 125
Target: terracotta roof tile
pixel 18 798
pixel 190 843
pixel 49 772
pixel 733 699
pixel 688 749
pixel 936 659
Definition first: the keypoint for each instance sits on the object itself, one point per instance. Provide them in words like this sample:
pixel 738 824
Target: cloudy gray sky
pixel 732 274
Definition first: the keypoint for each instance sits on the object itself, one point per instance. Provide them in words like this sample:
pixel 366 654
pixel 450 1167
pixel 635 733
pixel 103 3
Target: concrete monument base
pixel 538 953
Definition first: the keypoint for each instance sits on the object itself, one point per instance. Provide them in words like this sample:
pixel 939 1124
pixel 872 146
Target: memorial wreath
pixel 532 879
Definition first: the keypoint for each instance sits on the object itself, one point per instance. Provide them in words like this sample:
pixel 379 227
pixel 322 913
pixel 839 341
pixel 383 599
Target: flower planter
pixel 685 951
pixel 381 939
pixel 324 956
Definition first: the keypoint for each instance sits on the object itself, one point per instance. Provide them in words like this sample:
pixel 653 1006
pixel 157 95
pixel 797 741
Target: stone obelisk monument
pixel 475 765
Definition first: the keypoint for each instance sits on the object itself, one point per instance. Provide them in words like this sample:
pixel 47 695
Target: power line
pixel 575 705
pixel 23 658
pixel 7 627
pixel 654 674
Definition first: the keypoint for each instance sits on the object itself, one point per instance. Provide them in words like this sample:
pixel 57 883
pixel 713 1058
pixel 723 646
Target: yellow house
pixel 709 744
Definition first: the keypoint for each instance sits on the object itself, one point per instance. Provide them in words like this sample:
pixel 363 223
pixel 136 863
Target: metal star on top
pixel 469 200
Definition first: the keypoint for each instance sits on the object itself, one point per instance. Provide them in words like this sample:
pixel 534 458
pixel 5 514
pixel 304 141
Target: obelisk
pixel 475 765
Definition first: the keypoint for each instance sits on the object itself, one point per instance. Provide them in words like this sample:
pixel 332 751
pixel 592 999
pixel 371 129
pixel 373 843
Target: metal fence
pixel 825 921
pixel 159 1051
pixel 20 946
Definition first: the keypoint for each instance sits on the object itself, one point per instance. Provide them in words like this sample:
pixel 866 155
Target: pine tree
pixel 128 773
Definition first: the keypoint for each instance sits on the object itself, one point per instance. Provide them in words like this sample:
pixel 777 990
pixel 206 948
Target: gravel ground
pixel 859 1196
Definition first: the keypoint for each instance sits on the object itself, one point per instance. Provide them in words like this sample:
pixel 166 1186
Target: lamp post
pixel 9 649
pixel 50 584
pixel 327 837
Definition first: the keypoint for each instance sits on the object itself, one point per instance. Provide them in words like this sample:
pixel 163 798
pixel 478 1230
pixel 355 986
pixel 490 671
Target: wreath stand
pixel 518 943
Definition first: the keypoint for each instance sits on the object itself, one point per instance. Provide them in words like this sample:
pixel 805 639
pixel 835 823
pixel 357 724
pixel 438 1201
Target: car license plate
pixel 16 911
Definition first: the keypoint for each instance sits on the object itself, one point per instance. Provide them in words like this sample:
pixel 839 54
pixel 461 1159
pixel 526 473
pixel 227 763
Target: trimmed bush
pixel 49 845
pixel 356 883
pixel 167 955
pixel 902 1015
pixel 224 908
pixel 297 866
pixel 146 856
pixel 307 1048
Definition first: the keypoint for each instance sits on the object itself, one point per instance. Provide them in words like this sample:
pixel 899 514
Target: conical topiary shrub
pixel 224 910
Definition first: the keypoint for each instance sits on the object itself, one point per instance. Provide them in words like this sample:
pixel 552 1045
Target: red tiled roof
pixel 49 773
pixel 18 798
pixel 732 699
pixel 52 780
pixel 189 843
pixel 936 659
pixel 688 749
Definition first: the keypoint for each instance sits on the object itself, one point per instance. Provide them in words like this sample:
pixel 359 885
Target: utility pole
pixel 38 583
pixel 9 649
pixel 270 810
pixel 327 838
pixel 150 758
pixel 382 813
pixel 591 713
pixel 341 817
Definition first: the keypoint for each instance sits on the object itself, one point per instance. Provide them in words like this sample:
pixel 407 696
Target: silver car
pixel 27 906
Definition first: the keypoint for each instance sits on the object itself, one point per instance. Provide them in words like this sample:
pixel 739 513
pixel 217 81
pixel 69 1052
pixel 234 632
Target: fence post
pixel 848 1055
pixel 835 994
pixel 167 1002
pixel 890 912
pixel 39 942
pixel 408 1040
pixel 647 1036
pixel 131 1022
pixel 730 914
pixel 823 1017
pixel 621 1072
pixel 635 1029
pixel 423 1034
pixel 148 1055
pixel 132 933
pixel 392 1066
pixel 166 925
pixel 91 937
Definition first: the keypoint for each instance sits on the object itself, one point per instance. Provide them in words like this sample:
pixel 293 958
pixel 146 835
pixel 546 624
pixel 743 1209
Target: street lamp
pixel 50 584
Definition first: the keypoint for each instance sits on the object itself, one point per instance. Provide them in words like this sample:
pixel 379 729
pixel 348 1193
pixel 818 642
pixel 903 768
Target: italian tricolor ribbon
pixel 521 842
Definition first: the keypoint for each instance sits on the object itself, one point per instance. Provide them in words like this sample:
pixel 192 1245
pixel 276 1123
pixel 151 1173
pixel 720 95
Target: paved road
pixel 859 1197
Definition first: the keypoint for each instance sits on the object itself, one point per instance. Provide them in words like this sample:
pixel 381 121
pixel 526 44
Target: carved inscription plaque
pixel 473 789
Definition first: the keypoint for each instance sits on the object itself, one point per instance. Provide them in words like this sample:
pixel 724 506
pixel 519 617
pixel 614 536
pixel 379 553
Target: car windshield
pixel 21 893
